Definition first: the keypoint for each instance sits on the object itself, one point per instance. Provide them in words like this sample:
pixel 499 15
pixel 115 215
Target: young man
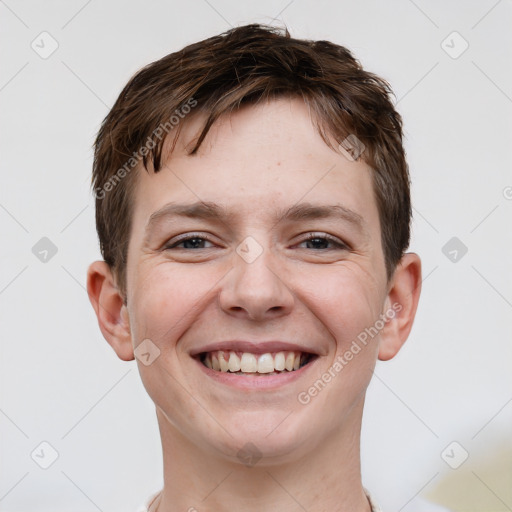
pixel 253 211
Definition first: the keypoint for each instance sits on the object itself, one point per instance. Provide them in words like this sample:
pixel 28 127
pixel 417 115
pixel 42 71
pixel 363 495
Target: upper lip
pixel 254 347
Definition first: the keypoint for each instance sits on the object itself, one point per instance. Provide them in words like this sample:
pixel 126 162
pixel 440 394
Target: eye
pixel 190 241
pixel 321 241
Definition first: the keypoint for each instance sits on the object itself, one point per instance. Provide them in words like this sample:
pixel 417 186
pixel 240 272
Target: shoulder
pixel 373 504
pixel 146 507
pixel 419 505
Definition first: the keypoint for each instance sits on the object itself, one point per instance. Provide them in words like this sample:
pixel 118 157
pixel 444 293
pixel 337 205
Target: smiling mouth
pixel 247 363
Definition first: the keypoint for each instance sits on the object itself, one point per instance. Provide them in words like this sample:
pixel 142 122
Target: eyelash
pixel 193 236
pixel 313 236
pixel 323 236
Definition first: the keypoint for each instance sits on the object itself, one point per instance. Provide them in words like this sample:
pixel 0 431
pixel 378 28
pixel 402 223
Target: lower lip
pixel 264 382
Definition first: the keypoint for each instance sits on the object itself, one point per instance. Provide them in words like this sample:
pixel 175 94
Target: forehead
pixel 258 162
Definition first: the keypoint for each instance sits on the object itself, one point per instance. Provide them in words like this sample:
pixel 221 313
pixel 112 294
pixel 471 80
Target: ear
pixel 109 308
pixel 402 299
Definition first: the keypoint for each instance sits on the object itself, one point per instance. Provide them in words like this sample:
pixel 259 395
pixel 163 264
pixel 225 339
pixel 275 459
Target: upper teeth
pixel 252 363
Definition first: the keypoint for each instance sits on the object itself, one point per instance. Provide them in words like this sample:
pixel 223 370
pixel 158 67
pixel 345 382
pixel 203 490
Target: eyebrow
pixel 214 211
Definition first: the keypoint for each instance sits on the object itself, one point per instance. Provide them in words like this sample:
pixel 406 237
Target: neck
pixel 327 478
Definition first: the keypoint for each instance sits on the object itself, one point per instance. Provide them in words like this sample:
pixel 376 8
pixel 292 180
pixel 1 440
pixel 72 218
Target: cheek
pixel 345 301
pixel 166 299
pixel 346 304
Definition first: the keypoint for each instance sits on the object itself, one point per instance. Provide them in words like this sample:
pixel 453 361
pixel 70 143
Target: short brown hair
pixel 247 65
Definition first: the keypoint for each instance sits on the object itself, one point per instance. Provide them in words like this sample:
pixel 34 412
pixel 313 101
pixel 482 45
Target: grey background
pixel 60 381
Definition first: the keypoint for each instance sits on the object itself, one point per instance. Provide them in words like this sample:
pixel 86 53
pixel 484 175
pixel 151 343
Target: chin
pixel 271 441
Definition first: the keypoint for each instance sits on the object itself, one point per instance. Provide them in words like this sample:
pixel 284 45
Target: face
pixel 265 242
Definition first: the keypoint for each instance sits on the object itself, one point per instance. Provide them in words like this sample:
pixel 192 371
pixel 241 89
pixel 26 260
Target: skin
pixel 259 160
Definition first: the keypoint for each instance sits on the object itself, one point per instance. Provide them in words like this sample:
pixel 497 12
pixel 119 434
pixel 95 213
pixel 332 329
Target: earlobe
pixel 110 310
pixel 401 305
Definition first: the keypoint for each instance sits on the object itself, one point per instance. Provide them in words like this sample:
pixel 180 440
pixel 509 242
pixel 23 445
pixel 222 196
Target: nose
pixel 255 289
